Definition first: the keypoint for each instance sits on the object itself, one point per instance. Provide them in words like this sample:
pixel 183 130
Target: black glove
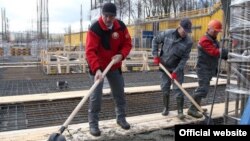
pixel 224 53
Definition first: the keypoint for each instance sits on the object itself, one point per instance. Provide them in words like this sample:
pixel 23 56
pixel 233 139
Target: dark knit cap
pixel 186 24
pixel 109 9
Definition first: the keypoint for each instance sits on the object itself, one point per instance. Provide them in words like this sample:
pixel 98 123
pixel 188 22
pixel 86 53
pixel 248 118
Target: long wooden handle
pixel 182 89
pixel 85 98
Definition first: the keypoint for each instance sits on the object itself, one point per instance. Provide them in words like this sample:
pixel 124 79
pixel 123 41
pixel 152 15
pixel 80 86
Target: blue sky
pixel 62 13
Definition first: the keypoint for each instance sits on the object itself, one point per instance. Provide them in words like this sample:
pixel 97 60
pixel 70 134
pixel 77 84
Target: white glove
pixel 117 58
pixel 98 75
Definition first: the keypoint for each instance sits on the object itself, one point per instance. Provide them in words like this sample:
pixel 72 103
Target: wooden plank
pixel 19 63
pixel 77 94
pixel 137 58
pixel 62 60
pixel 109 128
pixel 59 70
pixel 21 66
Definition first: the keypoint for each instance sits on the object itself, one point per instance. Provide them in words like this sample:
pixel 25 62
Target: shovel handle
pixel 182 89
pixel 85 98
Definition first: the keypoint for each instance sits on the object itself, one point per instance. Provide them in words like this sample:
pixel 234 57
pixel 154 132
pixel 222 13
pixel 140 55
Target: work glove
pixel 224 53
pixel 98 75
pixel 117 58
pixel 235 43
pixel 156 60
pixel 174 76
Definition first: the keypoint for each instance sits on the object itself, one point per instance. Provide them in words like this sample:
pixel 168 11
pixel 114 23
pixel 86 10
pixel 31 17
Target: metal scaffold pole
pixel 42 24
pixel 238 67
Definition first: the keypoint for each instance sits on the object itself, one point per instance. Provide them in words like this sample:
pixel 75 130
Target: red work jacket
pixel 102 44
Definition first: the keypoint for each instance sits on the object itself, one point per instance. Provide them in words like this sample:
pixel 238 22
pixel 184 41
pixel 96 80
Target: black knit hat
pixel 109 9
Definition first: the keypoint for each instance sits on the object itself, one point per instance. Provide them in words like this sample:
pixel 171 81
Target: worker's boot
pixel 166 104
pixel 180 104
pixel 193 111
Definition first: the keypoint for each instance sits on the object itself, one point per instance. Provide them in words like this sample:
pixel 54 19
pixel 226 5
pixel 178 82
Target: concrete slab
pixel 109 128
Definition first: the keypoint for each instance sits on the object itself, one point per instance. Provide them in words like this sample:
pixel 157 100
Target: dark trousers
pixel 116 83
pixel 166 83
pixel 204 78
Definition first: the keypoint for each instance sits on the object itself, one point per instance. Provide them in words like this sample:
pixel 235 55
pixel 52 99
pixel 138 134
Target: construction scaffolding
pixel 5 34
pixel 42 19
pixel 42 25
pixel 238 78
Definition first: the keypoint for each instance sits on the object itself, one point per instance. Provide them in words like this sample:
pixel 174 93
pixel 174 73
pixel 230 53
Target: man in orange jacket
pixel 107 39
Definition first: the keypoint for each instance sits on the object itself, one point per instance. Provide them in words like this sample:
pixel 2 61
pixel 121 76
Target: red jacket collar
pixel 116 24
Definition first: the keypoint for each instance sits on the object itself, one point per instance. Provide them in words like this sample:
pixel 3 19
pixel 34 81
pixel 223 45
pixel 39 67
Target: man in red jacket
pixel 209 53
pixel 107 39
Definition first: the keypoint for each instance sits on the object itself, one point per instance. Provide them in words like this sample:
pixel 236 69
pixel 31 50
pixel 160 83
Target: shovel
pixel 185 92
pixel 58 135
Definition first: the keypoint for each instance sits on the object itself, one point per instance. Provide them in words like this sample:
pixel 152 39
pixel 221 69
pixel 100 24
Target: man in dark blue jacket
pixel 174 55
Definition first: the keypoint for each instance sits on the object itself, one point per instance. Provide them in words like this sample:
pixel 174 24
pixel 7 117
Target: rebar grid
pixel 39 83
pixel 52 113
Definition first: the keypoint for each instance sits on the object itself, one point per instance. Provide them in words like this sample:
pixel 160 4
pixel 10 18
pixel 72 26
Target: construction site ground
pixel 142 93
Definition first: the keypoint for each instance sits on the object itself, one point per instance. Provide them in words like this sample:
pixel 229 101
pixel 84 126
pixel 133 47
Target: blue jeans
pixel 116 83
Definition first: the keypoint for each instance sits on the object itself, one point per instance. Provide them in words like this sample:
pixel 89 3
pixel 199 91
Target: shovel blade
pixel 207 120
pixel 56 137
